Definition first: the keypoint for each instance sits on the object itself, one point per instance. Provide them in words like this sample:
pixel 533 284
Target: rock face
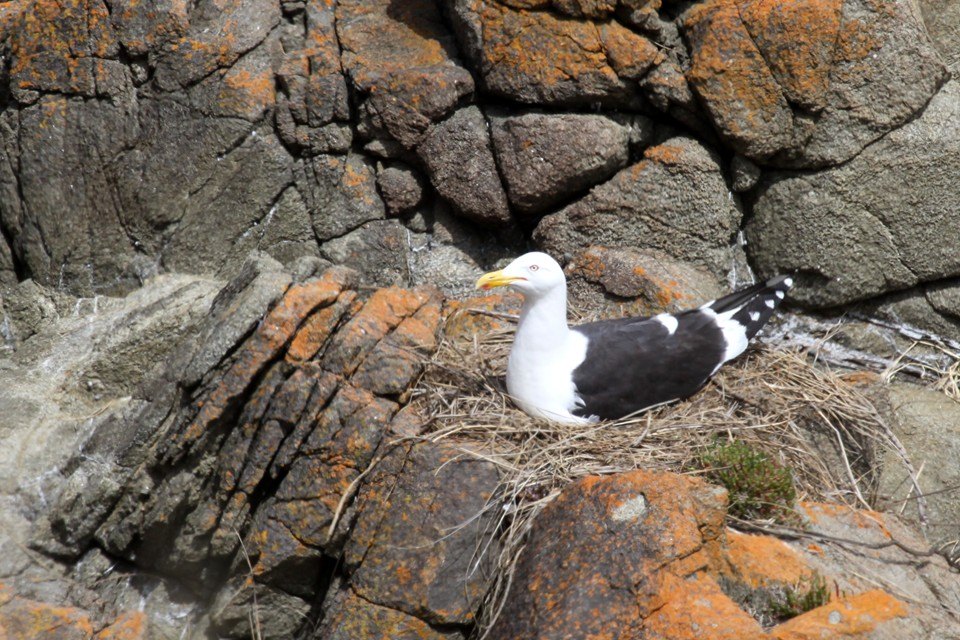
pixel 548 158
pixel 809 84
pixel 673 200
pixel 234 437
pixel 654 560
pixel 872 225
pixel 247 445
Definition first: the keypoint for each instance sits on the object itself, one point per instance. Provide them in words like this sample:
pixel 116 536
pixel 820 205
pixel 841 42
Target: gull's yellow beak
pixel 495 279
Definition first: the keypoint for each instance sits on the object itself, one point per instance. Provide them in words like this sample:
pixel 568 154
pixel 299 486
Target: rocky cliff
pixel 234 233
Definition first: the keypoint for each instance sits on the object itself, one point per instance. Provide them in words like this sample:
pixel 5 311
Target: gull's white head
pixel 532 274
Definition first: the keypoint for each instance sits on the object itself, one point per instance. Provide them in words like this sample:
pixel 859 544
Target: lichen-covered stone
pixel 630 531
pixel 810 83
pixel 417 535
pixel 538 58
pixel 402 59
pixel 641 282
pixel 350 617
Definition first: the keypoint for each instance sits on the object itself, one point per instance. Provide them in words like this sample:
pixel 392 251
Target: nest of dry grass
pixel 777 400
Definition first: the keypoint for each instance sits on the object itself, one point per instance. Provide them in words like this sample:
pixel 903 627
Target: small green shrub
pixel 759 487
pixel 802 598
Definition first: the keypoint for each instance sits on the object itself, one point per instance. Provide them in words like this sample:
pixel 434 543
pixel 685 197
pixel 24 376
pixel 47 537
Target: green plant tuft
pixel 802 598
pixel 758 486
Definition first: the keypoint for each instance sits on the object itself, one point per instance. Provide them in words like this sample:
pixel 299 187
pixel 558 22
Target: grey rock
pixel 927 422
pixel 348 617
pixel 745 174
pixel 862 550
pixel 459 161
pixel 57 389
pixel 8 275
pixel 340 193
pixel 376 249
pixel 449 253
pixel 401 187
pixel 872 226
pixel 278 615
pixel 932 307
pixel 545 159
pixel 235 312
pixel 674 200
pixel 941 18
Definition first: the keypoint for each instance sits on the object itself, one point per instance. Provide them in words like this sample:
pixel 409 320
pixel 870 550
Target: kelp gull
pixel 614 368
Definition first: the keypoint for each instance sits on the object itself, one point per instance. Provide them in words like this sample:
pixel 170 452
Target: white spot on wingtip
pixel 788 282
pixel 770 303
pixel 754 316
pixel 779 294
pixel 667 321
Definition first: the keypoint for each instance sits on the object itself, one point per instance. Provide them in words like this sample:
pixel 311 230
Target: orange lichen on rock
pixel 313 334
pixel 761 561
pixel 668 154
pixel 696 608
pixel 273 334
pixel 385 309
pixel 537 52
pixel 479 315
pixel 55 43
pixel 862 518
pixel 630 55
pixel 247 92
pixel 797 42
pixel 736 85
pixel 847 617
pixel 131 625
pixel 23 618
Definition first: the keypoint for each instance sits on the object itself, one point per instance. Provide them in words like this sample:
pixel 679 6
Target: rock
pixel 859 551
pixel 941 18
pixel 460 164
pixel 350 617
pixel 639 282
pixel 866 230
pixel 313 110
pixel 8 273
pixel 414 544
pixel 277 615
pixel 340 193
pixel 401 188
pixel 545 159
pixel 538 58
pixel 261 448
pixel 449 253
pixel 377 249
pixel 654 559
pixel 216 40
pixel 674 200
pixel 926 422
pixel 402 60
pixel 809 84
pixel 745 174
pixel 638 537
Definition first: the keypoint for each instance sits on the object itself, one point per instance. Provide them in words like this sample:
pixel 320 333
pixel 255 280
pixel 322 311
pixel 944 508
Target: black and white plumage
pixel 614 368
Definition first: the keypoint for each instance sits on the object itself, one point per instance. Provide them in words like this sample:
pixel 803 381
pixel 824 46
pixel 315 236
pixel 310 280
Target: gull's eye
pixel 533 267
